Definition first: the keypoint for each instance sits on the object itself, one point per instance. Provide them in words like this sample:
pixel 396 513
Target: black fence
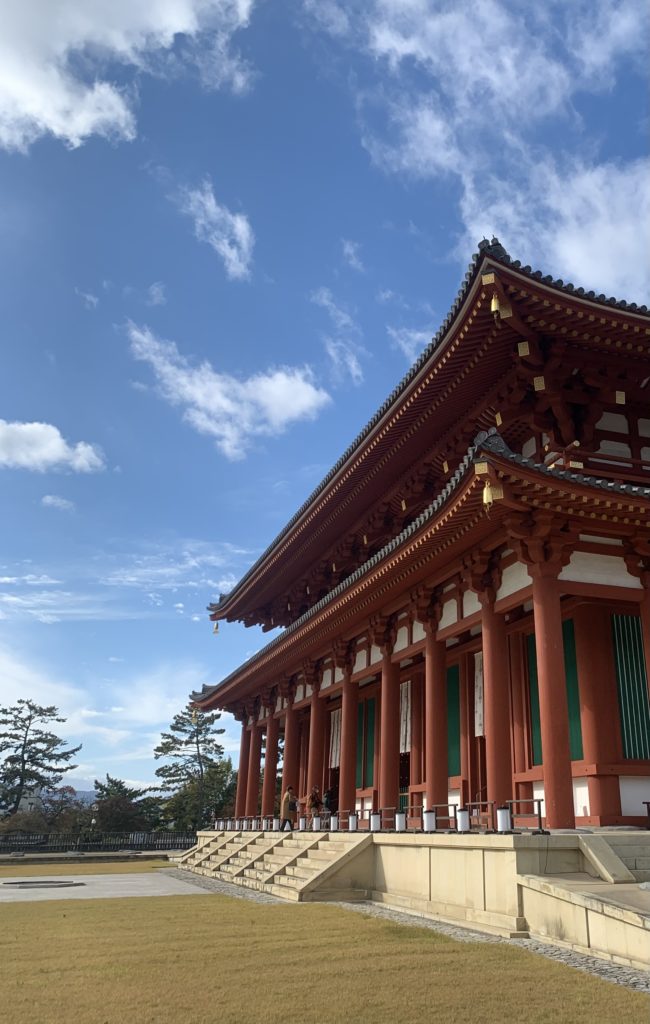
pixel 95 842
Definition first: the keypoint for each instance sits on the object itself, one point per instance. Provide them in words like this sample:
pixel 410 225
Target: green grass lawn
pixel 216 960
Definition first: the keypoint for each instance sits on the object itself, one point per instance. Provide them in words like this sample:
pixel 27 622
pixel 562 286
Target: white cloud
pixel 54 501
pixel 584 223
pixel 351 254
pixel 156 294
pixel 457 92
pixel 344 359
pixel 229 234
pixel 90 301
pixel 30 580
pixel 40 446
pixel 409 341
pixel 330 15
pixel 232 411
pixel 59 61
pixel 340 317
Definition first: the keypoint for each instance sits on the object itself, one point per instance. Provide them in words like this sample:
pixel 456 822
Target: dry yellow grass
pixel 203 960
pixel 90 868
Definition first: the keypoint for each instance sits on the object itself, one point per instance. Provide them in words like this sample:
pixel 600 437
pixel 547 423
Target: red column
pixel 389 734
pixel 316 741
pixel 290 764
pixel 496 703
pixel 435 720
pixel 270 766
pixel 553 707
pixel 416 731
pixel 599 714
pixel 242 771
pixel 253 787
pixel 348 767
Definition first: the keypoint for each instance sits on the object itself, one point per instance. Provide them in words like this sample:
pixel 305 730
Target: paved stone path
pixel 631 978
pixel 92 887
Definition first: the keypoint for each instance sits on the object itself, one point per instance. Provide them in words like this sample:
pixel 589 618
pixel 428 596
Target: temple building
pixel 465 598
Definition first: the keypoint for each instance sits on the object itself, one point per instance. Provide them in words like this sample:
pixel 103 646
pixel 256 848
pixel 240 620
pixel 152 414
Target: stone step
pixel 324 855
pixel 298 870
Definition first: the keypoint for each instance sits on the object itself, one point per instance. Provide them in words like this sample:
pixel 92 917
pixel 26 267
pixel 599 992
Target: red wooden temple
pixel 466 595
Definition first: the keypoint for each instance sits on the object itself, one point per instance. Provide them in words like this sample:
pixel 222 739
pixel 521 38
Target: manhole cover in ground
pixel 44 883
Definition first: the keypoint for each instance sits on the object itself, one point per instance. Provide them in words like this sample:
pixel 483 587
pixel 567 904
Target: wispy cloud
pixel 89 300
pixel 229 234
pixel 40 447
pixel 52 61
pixel 351 254
pixel 344 350
pixel 54 501
pixel 409 341
pixel 156 294
pixel 461 93
pixel 234 412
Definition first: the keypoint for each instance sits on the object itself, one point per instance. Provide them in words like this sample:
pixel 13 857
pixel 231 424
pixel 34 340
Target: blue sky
pixel 226 229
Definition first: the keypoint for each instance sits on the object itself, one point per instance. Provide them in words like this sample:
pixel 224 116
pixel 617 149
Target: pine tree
pixel 191 748
pixel 31 758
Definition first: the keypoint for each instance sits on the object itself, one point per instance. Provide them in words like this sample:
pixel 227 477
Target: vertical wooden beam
pixel 316 741
pixel 291 752
pixel 553 706
pixel 496 702
pixel 253 786
pixel 435 720
pixel 389 733
pixel 242 770
pixel 348 767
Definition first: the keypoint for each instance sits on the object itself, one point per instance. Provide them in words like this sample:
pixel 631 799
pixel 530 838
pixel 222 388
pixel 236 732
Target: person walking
pixel 314 803
pixel 288 810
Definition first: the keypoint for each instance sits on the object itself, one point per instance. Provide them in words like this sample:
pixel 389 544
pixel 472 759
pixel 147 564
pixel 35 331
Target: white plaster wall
pixel 361 660
pixel 308 690
pixel 644 427
pixel 634 790
pixel 581 805
pixel 591 537
pixel 300 691
pixel 327 679
pixel 418 631
pixel 375 654
pixel 608 570
pixel 471 603
pixel 514 577
pixel 449 614
pixel 453 797
pixel 529 448
pixel 614 421
pixel 402 638
pixel 338 675
pixel 538 794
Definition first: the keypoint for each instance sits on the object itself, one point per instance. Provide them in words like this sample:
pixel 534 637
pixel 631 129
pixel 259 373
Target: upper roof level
pixel 562 373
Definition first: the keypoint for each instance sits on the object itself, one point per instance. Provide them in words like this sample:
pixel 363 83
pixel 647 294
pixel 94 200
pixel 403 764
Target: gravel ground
pixel 638 981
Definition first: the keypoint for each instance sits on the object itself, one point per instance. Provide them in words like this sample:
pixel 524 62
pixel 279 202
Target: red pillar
pixel 496 703
pixel 389 734
pixel 348 767
pixel 253 787
pixel 270 766
pixel 242 771
pixel 599 714
pixel 316 741
pixel 435 721
pixel 290 764
pixel 553 707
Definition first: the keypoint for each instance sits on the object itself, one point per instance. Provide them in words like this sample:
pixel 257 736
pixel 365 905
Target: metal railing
pixel 536 813
pixel 95 842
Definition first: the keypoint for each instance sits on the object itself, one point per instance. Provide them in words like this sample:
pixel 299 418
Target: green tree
pixel 187 809
pixel 190 749
pixel 32 759
pixel 122 808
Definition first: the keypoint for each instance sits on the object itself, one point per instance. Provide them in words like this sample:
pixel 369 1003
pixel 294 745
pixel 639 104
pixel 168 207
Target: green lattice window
pixel 366 743
pixel 453 720
pixel 632 684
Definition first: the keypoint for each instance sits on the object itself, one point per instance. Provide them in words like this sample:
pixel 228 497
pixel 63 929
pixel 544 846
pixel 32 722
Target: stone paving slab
pixel 93 887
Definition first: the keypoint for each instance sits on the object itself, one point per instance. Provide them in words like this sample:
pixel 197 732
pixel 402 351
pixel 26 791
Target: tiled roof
pixel 486 249
pixel 485 441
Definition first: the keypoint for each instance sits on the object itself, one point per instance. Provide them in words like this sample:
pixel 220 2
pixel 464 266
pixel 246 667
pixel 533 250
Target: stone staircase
pixel 633 848
pixel 298 866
